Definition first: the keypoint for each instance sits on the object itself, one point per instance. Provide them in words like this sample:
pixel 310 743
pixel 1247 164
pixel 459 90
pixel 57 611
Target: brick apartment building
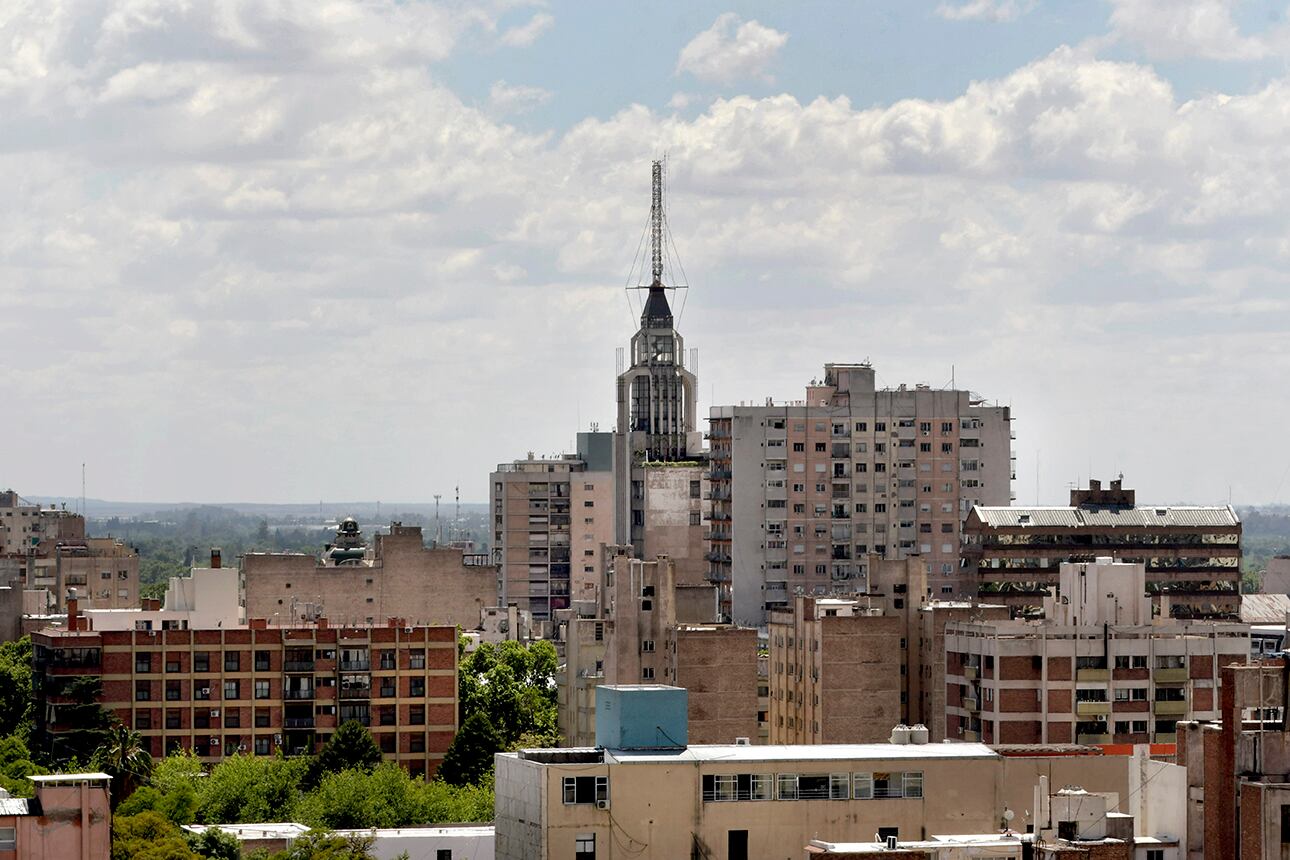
pixel 1097 669
pixel 259 689
pixel 1192 554
pixel 354 582
pixel 802 492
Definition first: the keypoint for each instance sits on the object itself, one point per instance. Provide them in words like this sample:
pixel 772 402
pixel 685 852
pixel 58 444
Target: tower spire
pixel 656 225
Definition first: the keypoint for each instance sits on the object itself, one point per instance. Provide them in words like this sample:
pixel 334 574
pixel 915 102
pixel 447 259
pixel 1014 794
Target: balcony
pixel 298 722
pixel 356 692
pixel 1092 739
pixel 1092 709
pixel 971 673
pixel 1102 675
pixel 298 694
pixel 1170 676
pixel 1166 738
pixel 971 703
pixel 298 666
pixel 1171 709
pixel 364 665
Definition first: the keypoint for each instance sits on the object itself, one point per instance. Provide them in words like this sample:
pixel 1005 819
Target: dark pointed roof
pixel 657 314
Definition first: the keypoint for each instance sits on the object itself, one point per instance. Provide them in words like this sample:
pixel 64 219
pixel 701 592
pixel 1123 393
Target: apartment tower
pixel 802 491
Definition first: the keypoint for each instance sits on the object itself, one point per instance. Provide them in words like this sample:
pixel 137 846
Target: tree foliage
pixel 148 836
pixel 321 845
pixel 245 788
pixel 389 797
pixel 15 687
pixel 123 757
pixel 16 765
pixel 514 685
pixel 470 757
pixel 84 712
pixel 351 747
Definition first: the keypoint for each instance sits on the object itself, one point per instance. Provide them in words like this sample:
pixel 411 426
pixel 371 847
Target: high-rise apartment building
pixel 1097 669
pixel 550 519
pixel 256 689
pixel 1192 554
pixel 803 491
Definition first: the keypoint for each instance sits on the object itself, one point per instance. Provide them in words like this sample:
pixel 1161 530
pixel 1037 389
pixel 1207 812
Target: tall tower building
pixel 803 492
pixel 659 466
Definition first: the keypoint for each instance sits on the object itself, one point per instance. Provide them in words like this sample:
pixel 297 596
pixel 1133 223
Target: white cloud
pixel 1175 29
pixel 730 50
pixel 190 211
pixel 509 99
pixel 985 10
pixel 527 34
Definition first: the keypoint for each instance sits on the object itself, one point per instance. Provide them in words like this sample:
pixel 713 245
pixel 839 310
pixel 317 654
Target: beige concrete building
pixel 646 629
pixel 550 519
pixel 803 491
pixel 933 620
pixel 674 511
pixel 735 801
pixel 1099 669
pixel 353 582
pixel 70 817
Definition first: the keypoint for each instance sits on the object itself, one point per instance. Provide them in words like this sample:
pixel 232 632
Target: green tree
pixel 515 685
pixel 470 757
pixel 351 747
pixel 15 687
pixel 123 757
pixel 321 845
pixel 83 712
pixel 178 806
pixel 389 797
pixel 246 788
pixel 16 765
pixel 148 836
pixel 214 844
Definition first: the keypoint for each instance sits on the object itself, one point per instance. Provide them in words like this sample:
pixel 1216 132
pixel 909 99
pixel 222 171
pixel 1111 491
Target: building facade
pixel 1192 554
pixel 550 519
pixel 69 817
pixel 352 582
pixel 803 491
pixel 1097 669
pixel 258 690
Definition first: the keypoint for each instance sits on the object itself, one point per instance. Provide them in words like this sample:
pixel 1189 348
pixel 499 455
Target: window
pixel 8 838
pixel 416 687
pixel 172 665
pixel 233 719
pixel 647 646
pixel 173 691
pixel 887 785
pixel 695 489
pixel 1159 853
pixel 262 746
pixel 584 846
pixel 417 715
pixel 799 447
pixel 417 743
pixel 261 661
pixel 736 786
pixel 142 691
pixel 143 720
pixel 443 854
pixel 647 673
pixel 586 789
pixel 231 690
pixel 173 719
pixel 388 660
pixel 202 661
pixel 142 663
pixel 233 661
pixel 812 786
pixel 417 659
pixel 261 718
pixel 820 446
pixel 262 689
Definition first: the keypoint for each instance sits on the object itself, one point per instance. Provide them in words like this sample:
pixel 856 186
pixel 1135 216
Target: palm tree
pixel 123 757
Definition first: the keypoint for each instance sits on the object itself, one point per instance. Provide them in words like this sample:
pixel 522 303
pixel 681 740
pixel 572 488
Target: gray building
pixel 803 491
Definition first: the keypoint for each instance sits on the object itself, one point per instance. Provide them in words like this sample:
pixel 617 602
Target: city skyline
pixel 283 297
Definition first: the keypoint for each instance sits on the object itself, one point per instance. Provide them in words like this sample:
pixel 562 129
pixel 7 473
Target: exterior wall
pixel 264 689
pixel 933 620
pixel 75 822
pixel 210 597
pixel 813 486
pixel 718 668
pixel 585 645
pixel 535 519
pixel 642 613
pixel 994 670
pixel 403 579
pixel 674 517
pixel 663 802
pixel 834 679
pixel 11 610
pixel 103 573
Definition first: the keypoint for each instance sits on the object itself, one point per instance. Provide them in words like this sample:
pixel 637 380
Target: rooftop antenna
pixel 438 527
pixel 82 489
pixel 456 521
pixel 662 250
pixel 656 225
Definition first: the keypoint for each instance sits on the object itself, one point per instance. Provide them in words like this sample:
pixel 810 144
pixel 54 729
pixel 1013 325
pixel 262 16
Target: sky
pixel 294 251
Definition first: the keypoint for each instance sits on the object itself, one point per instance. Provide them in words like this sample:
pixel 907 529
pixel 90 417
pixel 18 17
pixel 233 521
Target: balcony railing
pixel 356 692
pixel 298 666
pixel 364 665
pixel 299 722
pixel 298 694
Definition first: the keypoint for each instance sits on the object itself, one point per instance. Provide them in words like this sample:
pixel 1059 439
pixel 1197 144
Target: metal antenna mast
pixel 456 520
pixel 438 528
pixel 656 225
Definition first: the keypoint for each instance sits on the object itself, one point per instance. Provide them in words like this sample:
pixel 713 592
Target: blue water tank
pixel 642 717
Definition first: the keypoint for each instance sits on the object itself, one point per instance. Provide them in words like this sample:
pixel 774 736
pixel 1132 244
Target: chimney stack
pixel 216 561
pixel 73 614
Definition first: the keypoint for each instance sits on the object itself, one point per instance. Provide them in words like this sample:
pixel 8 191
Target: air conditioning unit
pixel 241 747
pixel 214 742
pixel 206 691
pixel 892 843
pixel 742 742
pixel 602 804
pixel 277 739
pixel 407 629
pixel 214 712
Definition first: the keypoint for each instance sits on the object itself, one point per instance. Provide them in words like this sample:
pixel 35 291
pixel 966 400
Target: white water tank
pixel 900 734
pixel 918 734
